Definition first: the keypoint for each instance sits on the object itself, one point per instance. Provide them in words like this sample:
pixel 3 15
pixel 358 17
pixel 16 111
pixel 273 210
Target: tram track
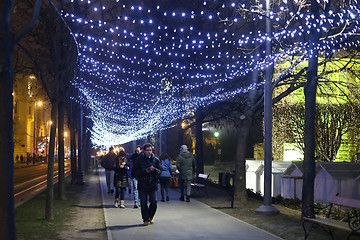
pixel 25 191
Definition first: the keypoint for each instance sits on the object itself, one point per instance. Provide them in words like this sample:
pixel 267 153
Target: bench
pixel 199 183
pixel 329 225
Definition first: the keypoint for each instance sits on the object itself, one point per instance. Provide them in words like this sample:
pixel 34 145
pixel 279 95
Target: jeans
pixel 148 212
pixel 185 184
pixel 109 179
pixel 120 191
pixel 136 192
pixel 164 186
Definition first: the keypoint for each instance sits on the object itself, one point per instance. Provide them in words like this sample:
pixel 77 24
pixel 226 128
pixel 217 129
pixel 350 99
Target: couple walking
pixel 116 169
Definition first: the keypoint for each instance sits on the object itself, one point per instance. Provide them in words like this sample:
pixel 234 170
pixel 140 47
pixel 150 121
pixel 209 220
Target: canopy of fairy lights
pixel 144 66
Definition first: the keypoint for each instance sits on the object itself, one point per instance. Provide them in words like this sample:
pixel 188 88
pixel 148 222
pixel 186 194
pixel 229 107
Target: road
pixel 30 180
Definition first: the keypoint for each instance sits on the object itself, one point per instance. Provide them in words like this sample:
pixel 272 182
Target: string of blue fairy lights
pixel 126 57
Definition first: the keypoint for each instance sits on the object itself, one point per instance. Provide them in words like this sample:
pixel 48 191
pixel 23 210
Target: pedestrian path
pixel 174 220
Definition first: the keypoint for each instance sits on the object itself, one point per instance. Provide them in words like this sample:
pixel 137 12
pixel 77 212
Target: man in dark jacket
pixel 185 164
pixel 134 180
pixel 147 170
pixel 107 162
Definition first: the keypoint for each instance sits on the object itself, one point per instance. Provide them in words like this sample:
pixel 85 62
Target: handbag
pixel 174 182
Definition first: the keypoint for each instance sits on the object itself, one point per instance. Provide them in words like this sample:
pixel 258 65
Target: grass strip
pixel 30 217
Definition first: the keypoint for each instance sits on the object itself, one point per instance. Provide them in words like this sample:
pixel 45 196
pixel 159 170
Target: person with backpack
pixel 107 162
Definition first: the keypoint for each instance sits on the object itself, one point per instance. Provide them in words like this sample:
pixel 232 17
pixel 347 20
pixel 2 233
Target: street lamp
pixel 217 144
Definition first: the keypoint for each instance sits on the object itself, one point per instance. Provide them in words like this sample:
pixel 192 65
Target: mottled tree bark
pixel 310 112
pixel 8 41
pixel 240 195
pixel 49 213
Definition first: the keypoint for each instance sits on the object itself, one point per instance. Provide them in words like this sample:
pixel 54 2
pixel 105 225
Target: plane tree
pixel 8 40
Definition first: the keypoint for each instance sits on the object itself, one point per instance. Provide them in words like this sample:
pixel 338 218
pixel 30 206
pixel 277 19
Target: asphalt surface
pixel 174 220
pixel 30 180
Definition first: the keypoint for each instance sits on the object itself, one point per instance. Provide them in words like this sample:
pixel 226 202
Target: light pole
pixel 267 207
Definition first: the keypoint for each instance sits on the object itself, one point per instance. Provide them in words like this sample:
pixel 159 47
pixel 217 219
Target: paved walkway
pixel 175 220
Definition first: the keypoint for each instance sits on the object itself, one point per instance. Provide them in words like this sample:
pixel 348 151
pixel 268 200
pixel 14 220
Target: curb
pixel 108 231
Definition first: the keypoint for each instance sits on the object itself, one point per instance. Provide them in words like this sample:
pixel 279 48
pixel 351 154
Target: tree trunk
pixel 87 146
pixel 199 141
pixel 79 176
pixel 72 119
pixel 49 214
pixel 310 113
pixel 7 213
pixel 240 195
pixel 165 140
pixel 61 168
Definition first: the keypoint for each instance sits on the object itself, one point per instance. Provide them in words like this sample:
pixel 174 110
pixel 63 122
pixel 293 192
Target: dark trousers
pixel 120 191
pixel 148 212
pixel 164 186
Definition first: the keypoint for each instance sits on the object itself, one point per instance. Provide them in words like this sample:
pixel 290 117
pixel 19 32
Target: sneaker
pixel 167 198
pixel 162 200
pixel 181 198
pixel 152 221
pixel 146 223
pixel 112 191
pixel 136 206
pixel 187 199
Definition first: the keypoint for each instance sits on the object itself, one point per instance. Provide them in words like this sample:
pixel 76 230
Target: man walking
pixel 147 170
pixel 131 162
pixel 185 164
pixel 107 162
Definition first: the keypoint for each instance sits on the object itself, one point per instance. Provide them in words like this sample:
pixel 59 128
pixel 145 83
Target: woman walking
pixel 166 173
pixel 120 178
